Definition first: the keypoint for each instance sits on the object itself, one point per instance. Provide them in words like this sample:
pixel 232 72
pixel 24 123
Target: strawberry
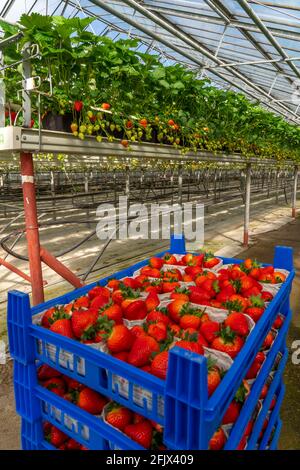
pixel 56 385
pixel 201 340
pixel 174 274
pixel 159 365
pixel 228 341
pixel 264 392
pixel 136 310
pixel 190 346
pixel 267 296
pixel 82 302
pixel 158 331
pixel 253 370
pixel 132 283
pixel 141 351
pixel 268 341
pixel 78 105
pixel 260 357
pixel 97 291
pixel 152 301
pixel 213 377
pixel 218 440
pixel 156 263
pixel 105 106
pixel 198 295
pixel 99 302
pixel 169 285
pixel 122 293
pixel 113 284
pixel 57 437
pixel 278 322
pixel 189 320
pixel 52 315
pixel 256 308
pixel 63 327
pixel 209 330
pixel 157 316
pixel 141 433
pixel 238 323
pixel 210 261
pixel 73 384
pixel 237 303
pixel 137 418
pixel 143 122
pixel 137 331
pixel 175 329
pixel 193 271
pixel 46 372
pixel 180 293
pixel 91 401
pixel 151 272
pixel 113 313
pixel 71 444
pixel 125 143
pixel 232 412
pixel 211 286
pixel 279 277
pixel 175 308
pixel 118 416
pixel 119 339
pixel 169 259
pixel 122 356
pixel 83 320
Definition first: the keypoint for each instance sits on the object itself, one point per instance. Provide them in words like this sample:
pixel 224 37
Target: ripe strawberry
pixel 157 316
pixel 152 301
pixel 122 356
pixel 237 303
pixel 213 378
pixel 174 274
pixel 253 370
pixel 125 143
pixel 63 327
pixel 238 323
pixel 155 262
pixel 71 444
pixel 193 271
pixel 209 330
pixel 136 310
pixel 118 416
pixel 169 259
pixel 141 433
pixel 201 340
pixel 137 418
pixel 91 401
pixel 279 277
pixel 159 365
pixel 175 329
pixel 210 261
pixel 264 392
pixel 267 296
pixel 73 384
pixel 99 302
pixel 180 294
pixel 46 372
pixel 55 385
pixel 218 440
pixel 56 437
pixel 151 272
pixel 52 315
pixel 82 302
pixel 142 350
pixel 158 331
pixel 224 295
pixel 105 106
pixel 169 285
pixel 119 339
pixel 278 322
pixel 190 346
pixel 97 291
pixel 232 412
pixel 143 122
pixel 175 308
pixel 113 284
pixel 113 313
pixel 132 283
pixel 78 105
pixel 260 357
pixel 268 341
pixel 137 331
pixel 198 295
pixel 228 341
pixel 83 320
pixel 189 321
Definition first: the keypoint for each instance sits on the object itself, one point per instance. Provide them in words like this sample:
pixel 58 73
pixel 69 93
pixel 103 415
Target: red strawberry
pixel 232 412
pixel 47 372
pixel 253 370
pixel 57 437
pixel 78 105
pixel 169 259
pixel 141 433
pixel 278 322
pixel 190 346
pixel 71 444
pixel 189 320
pixel 201 340
pixel 114 313
pixel 99 291
pixel 73 384
pixel 141 351
pixel 213 378
pixel 56 385
pixel 268 341
pixel 175 309
pixel 193 271
pixel 228 341
pixel 122 356
pixel 137 331
pixel 137 418
pixel 118 416
pixel 260 357
pixel 169 285
pixel 158 331
pixel 119 339
pixel 151 272
pixel 267 296
pixel 157 316
pixel 114 284
pixel 159 365
pixel 218 440
pixel 198 295
pixel 264 392
pixel 63 327
pixel 209 330
pixel 152 301
pixel 83 320
pixel 98 302
pixel 156 263
pixel 52 315
pixel 136 310
pixel 82 302
pixel 91 401
pixel 238 323
pixel 210 261
pixel 132 283
pixel 105 106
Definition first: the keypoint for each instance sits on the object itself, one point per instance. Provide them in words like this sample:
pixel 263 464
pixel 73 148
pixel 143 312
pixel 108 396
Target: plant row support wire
pixel 36 253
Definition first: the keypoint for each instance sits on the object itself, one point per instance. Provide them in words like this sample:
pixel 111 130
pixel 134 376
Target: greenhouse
pixel 149 225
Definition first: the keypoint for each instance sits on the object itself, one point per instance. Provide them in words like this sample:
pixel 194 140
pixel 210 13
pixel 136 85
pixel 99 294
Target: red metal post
pixel 15 270
pixel 60 268
pixel 31 224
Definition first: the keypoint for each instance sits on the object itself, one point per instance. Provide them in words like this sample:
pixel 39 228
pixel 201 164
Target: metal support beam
pixel 247 206
pixel 60 268
pixel 295 188
pixel 180 180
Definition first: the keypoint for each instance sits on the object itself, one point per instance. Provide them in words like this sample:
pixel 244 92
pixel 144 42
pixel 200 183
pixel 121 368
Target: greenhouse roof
pixel 250 46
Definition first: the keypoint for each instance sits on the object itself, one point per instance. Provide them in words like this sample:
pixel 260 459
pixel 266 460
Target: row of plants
pixel 111 89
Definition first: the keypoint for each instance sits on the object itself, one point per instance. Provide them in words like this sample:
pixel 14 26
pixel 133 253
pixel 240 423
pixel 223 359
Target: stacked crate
pixel 180 404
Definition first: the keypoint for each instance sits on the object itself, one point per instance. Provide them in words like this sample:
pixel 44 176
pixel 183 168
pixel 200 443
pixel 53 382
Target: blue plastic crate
pixel 181 402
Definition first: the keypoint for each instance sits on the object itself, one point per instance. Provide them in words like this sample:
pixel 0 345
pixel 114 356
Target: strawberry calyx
pixel 58 314
pixel 128 292
pixel 233 306
pixel 257 301
pixel 241 394
pixel 227 335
